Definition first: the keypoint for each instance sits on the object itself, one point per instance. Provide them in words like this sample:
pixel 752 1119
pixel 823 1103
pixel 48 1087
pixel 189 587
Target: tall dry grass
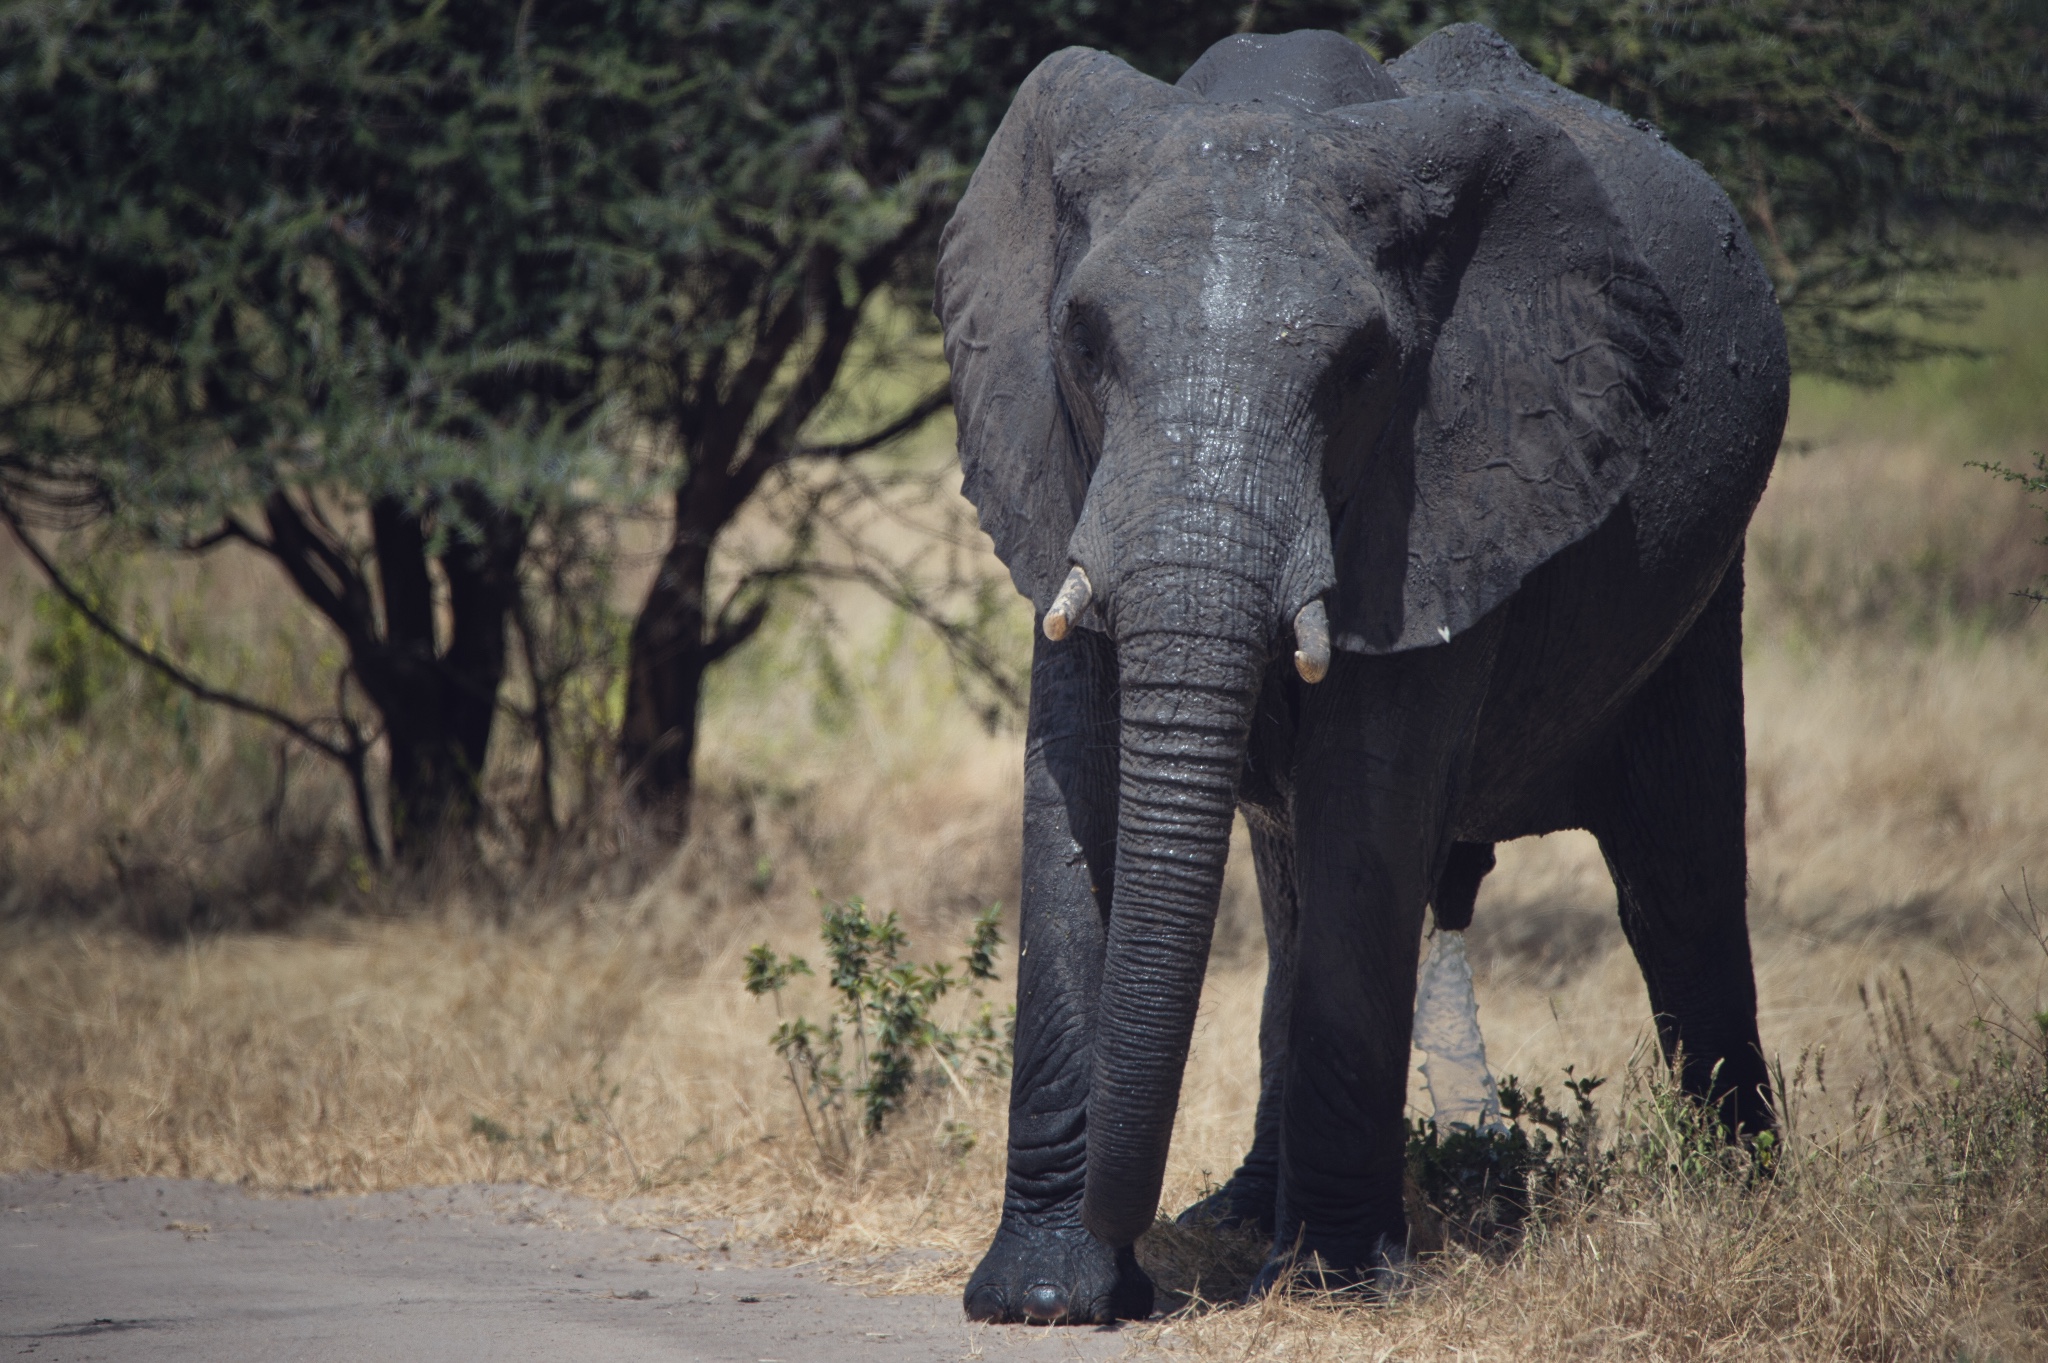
pixel 197 979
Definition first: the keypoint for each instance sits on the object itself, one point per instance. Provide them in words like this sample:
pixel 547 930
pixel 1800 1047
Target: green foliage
pixel 76 669
pixel 1480 1187
pixel 412 246
pixel 860 1067
pixel 1481 1183
pixel 77 665
pixel 1988 398
pixel 470 266
pixel 365 261
pixel 483 267
pixel 1847 132
pixel 1949 1130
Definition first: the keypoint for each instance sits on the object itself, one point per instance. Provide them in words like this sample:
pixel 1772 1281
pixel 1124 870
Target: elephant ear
pixel 999 261
pixel 1544 352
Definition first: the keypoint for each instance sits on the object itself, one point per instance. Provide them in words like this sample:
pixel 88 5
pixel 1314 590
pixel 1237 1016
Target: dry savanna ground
pixel 198 980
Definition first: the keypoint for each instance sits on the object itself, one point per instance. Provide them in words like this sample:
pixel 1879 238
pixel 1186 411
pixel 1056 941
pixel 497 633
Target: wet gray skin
pixel 1402 424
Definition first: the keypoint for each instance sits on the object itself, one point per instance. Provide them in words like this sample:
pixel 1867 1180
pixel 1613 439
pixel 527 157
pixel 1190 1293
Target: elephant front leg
pixel 1044 1266
pixel 1384 749
pixel 1343 1139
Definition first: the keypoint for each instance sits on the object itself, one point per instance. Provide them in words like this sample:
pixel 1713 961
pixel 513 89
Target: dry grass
pixel 569 1032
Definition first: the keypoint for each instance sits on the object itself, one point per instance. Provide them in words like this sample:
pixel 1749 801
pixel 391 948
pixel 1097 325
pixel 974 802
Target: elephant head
pixel 1235 358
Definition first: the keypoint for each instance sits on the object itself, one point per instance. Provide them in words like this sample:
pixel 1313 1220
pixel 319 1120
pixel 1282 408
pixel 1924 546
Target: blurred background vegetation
pixel 413 441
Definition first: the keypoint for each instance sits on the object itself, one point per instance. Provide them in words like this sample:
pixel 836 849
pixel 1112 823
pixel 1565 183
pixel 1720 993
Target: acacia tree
pixel 417 272
pixel 340 308
pixel 417 276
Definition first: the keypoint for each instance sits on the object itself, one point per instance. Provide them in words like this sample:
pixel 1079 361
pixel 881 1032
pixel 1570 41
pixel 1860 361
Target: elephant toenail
pixel 1044 1304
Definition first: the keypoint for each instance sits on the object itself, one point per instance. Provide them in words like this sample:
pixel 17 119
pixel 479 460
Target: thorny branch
pixel 923 410
pixel 350 755
pixel 826 544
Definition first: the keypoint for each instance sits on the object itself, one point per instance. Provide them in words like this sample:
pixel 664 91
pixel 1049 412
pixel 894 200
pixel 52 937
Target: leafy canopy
pixel 262 245
pixel 395 245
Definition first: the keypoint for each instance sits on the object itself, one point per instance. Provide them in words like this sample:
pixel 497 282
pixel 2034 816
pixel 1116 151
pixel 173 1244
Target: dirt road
pixel 164 1270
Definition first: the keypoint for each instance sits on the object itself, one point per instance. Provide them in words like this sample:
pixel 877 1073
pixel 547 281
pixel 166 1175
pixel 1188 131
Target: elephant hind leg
pixel 1457 888
pixel 1666 801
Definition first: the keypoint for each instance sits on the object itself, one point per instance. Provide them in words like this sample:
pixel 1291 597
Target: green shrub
pixel 882 1038
pixel 76 667
pixel 1477 1185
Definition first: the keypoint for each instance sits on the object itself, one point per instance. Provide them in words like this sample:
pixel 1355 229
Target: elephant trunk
pixel 1192 644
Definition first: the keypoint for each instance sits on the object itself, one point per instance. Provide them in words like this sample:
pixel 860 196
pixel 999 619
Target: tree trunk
pixel 665 685
pixel 439 706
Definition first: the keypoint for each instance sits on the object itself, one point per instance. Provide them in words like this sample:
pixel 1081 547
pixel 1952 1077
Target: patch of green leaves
pixel 883 1039
pixel 75 669
pixel 1848 133
pixel 1479 1184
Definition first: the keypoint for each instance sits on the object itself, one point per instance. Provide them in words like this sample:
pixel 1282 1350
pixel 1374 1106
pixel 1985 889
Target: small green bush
pixel 76 667
pixel 1478 1184
pixel 882 1038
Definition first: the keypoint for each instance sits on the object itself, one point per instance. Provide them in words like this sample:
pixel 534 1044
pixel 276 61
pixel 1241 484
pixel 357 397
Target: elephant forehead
pixel 1291 277
pixel 1222 193
pixel 1237 160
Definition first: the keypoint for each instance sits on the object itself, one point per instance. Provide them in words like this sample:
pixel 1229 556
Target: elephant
pixel 1376 445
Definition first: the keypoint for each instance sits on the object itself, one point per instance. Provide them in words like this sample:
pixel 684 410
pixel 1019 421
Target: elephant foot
pixel 1039 1276
pixel 1372 1276
pixel 1241 1204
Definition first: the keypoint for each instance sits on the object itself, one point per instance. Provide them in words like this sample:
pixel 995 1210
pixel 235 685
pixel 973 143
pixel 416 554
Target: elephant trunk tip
pixel 1312 642
pixel 1073 598
pixel 1118 1220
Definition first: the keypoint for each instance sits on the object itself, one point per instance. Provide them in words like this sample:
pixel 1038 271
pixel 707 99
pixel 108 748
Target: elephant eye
pixel 1081 344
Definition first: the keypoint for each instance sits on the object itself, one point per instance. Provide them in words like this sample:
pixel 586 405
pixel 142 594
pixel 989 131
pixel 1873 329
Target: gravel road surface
pixel 167 1271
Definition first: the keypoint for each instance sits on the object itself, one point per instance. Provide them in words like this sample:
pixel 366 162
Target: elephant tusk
pixel 1074 596
pixel 1312 642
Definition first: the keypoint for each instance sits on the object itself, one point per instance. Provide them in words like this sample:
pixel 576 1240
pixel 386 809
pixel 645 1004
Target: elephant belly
pixel 1581 637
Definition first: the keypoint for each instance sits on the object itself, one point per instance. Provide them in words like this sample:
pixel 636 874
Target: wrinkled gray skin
pixel 1492 372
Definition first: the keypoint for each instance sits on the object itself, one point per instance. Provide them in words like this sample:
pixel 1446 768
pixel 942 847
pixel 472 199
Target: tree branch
pixel 967 648
pixel 350 756
pixel 923 410
pixel 777 441
pixel 782 329
pixel 231 528
pixel 323 573
pixel 773 446
pixel 540 720
pixel 732 632
pixel 150 658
